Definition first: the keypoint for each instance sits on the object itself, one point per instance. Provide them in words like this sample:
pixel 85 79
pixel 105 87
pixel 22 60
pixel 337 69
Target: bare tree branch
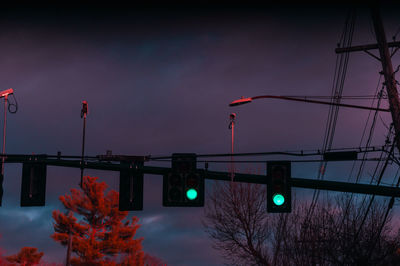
pixel 336 234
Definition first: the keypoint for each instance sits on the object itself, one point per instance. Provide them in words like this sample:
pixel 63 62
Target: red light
pixel 192 181
pixel 240 101
pixel 6 92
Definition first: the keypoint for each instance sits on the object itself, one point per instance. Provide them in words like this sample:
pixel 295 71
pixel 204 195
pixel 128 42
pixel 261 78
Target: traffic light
pixel 183 187
pixel 279 192
pixel 131 186
pixel 33 188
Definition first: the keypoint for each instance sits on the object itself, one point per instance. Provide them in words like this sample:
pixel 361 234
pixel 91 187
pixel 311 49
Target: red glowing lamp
pixel 6 92
pixel 241 101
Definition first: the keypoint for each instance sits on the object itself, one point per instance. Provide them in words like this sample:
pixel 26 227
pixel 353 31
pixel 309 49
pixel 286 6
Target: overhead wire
pixel 373 196
pixel 362 164
pixel 336 92
pixel 337 89
pixel 390 205
pixel 371 132
pixel 388 209
pixel 383 123
pixel 395 35
pixel 382 171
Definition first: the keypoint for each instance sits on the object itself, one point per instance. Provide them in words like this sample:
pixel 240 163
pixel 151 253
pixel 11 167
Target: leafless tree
pixel 237 222
pixel 343 233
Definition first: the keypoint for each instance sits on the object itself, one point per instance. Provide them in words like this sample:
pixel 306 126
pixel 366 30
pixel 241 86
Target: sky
pixel 158 81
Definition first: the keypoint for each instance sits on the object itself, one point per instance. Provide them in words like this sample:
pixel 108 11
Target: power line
pixel 373 196
pixel 337 90
pixel 361 168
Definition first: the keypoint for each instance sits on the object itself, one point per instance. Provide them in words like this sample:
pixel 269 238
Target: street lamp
pixel 4 94
pixel 241 101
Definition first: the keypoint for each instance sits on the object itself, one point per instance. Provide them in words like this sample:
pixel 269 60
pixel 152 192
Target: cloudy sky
pixel 159 81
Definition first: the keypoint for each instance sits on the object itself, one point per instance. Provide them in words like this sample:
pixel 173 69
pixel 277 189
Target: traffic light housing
pixel 183 187
pixel 131 186
pixel 340 156
pixel 279 191
pixel 33 186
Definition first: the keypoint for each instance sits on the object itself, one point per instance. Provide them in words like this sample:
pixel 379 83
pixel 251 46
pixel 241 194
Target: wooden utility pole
pixel 388 73
pixel 387 68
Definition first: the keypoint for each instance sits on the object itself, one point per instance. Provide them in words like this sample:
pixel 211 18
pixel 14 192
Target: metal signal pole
pixel 69 247
pixel 4 149
pixel 84 112
pixel 4 94
pixel 232 118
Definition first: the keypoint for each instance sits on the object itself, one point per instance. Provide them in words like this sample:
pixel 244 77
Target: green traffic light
pixel 278 199
pixel 191 194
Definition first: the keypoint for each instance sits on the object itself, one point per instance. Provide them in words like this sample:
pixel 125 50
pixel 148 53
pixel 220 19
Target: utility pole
pixel 387 69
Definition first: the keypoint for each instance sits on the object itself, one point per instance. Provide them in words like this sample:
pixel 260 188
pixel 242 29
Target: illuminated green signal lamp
pixel 191 194
pixel 278 199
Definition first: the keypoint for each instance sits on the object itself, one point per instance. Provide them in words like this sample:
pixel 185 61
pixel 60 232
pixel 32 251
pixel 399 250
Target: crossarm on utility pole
pixel 364 48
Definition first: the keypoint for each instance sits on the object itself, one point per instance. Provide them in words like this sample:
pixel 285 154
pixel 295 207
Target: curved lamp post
pixel 250 99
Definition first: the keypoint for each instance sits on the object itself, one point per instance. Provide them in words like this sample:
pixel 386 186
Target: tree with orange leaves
pixel 27 256
pixel 101 236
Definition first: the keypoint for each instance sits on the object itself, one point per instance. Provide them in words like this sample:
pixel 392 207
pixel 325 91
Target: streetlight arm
pixel 248 100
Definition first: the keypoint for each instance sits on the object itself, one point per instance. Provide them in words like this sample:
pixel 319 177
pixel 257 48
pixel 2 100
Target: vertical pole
pixel 4 134
pixel 387 68
pixel 390 80
pixel 232 128
pixel 83 114
pixel 4 149
pixel 69 247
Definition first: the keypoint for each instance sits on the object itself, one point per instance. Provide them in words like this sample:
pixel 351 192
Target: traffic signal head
pixel 191 194
pixel 183 186
pixel 33 186
pixel 279 192
pixel 278 199
pixel 131 187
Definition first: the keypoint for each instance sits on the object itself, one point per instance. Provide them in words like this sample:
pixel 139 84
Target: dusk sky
pixel 158 81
